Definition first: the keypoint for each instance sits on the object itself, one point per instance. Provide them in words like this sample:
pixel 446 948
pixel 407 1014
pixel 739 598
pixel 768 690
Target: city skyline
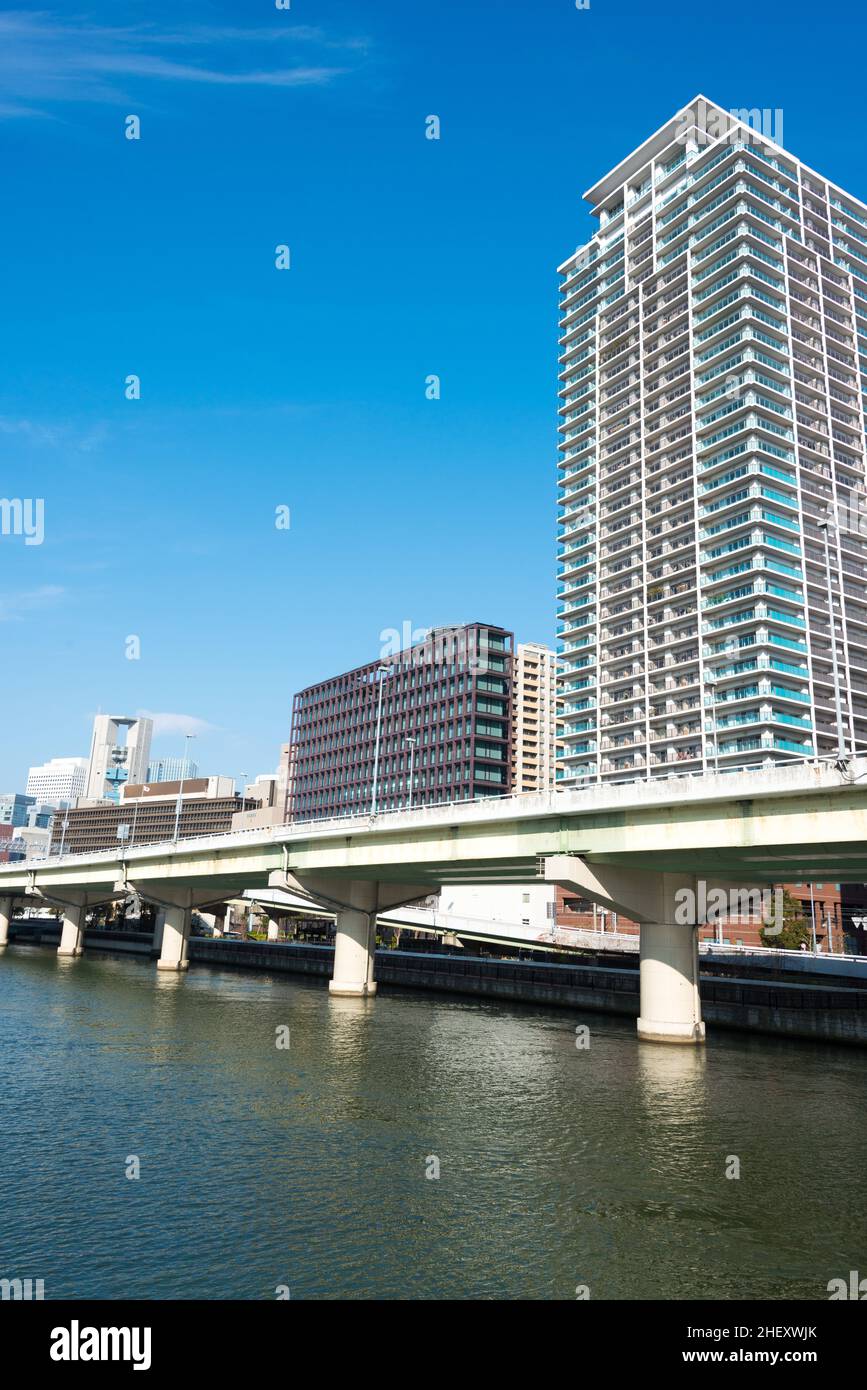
pixel 433 612
pixel 164 268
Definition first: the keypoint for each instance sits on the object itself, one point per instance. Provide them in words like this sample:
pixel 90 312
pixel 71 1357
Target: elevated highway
pixel 636 848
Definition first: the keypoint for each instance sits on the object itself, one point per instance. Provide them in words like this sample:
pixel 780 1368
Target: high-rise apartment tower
pixel 713 369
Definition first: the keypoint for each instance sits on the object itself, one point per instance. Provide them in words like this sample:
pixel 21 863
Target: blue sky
pixel 306 387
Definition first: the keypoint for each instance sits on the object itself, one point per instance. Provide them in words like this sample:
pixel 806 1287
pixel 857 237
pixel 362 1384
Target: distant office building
pixel 15 807
pixel 7 835
pixel 172 770
pixel 119 754
pixel 58 780
pixel 713 370
pixel 30 842
pixel 265 800
pixel 534 718
pixel 423 726
pixel 147 813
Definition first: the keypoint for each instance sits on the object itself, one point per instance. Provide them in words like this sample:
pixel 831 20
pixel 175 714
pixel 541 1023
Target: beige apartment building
pixel 534 718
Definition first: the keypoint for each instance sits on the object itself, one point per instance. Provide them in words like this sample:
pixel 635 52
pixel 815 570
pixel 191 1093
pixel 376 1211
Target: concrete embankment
pixel 827 1011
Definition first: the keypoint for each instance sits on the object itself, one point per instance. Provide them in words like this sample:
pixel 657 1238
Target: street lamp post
pixel 187 738
pixel 381 671
pixel 825 527
pixel 413 742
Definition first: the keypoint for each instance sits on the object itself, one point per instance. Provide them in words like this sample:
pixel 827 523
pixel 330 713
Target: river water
pixel 304 1168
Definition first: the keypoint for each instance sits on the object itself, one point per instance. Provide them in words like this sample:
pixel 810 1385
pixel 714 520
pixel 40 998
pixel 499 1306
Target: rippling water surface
pixel 306 1167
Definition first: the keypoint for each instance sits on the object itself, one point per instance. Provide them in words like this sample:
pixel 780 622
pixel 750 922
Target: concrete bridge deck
pixel 635 848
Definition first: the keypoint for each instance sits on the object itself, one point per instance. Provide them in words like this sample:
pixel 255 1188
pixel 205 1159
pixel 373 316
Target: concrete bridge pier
pixel 275 923
pixel 670 1007
pixel 72 931
pixel 216 920
pixel 670 998
pixel 75 904
pixel 357 903
pixel 176 937
pixel 355 944
pixel 5 919
pixel 174 913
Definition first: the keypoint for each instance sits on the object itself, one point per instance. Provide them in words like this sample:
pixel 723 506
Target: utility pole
pixel 187 738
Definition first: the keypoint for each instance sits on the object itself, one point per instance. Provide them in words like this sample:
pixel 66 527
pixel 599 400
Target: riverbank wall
pixel 823 1011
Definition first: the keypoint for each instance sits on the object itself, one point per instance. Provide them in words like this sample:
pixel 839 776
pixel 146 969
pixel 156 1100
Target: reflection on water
pixel 261 1166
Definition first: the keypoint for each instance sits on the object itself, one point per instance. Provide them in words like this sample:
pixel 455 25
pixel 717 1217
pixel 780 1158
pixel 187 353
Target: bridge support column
pixel 5 919
pixel 216 920
pixel 174 906
pixel 670 1000
pixel 72 932
pixel 275 924
pixel 175 942
pixel 355 944
pixel 670 1007
pixel 159 928
pixel 356 904
pixel 75 903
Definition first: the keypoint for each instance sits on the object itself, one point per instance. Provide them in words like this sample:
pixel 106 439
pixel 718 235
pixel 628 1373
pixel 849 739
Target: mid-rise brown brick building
pixel 419 727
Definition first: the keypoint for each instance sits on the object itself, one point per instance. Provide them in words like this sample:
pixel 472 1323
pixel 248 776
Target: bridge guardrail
pixel 362 819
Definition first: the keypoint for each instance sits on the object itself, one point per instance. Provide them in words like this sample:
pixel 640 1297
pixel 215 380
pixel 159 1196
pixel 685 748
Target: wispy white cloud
pixel 41 433
pixel 46 58
pixel 143 65
pixel 9 110
pixel 15 607
pixel 178 723
pixel 33 430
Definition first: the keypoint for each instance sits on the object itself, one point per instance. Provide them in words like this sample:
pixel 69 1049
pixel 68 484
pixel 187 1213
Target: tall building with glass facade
pixel 172 770
pixel 712 370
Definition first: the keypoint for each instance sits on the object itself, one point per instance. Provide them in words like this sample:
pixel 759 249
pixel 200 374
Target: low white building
pixel 519 904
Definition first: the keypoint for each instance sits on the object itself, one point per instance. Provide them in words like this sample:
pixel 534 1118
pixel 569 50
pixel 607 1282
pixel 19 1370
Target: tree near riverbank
pixel 796 929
